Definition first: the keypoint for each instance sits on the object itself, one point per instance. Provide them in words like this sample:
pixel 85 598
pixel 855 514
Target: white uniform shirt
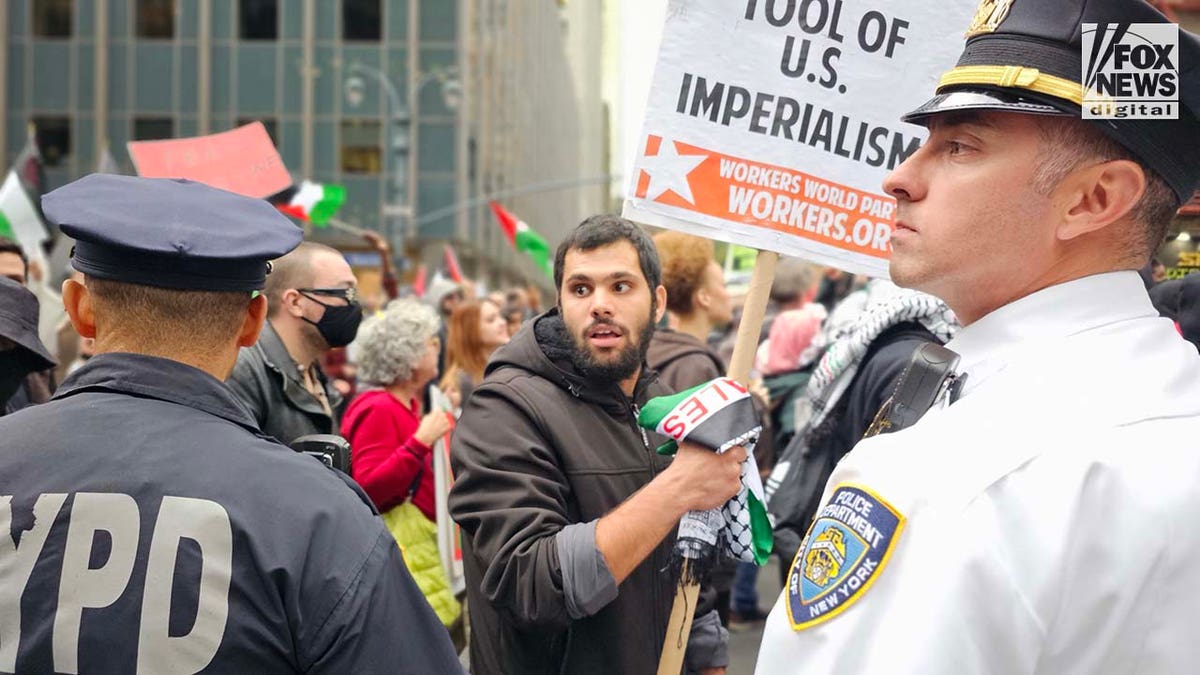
pixel 1046 522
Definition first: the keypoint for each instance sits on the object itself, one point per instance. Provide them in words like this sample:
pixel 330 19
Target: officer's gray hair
pixel 390 343
pixel 1069 143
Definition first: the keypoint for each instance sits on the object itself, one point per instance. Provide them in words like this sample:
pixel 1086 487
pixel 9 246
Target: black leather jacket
pixel 267 380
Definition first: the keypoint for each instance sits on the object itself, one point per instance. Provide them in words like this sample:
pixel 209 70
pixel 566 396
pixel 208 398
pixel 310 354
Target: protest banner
pixel 448 537
pixel 772 123
pixel 243 160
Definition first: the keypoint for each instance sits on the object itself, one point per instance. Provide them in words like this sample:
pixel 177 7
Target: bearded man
pixel 568 515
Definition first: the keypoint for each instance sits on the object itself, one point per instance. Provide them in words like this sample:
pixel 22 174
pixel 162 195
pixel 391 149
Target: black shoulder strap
pixel 929 372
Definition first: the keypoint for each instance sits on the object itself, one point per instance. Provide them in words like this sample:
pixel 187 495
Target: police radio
pixel 332 450
pixel 930 375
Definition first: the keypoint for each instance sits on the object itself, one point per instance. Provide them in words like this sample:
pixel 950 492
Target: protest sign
pixel 772 123
pixel 448 536
pixel 243 160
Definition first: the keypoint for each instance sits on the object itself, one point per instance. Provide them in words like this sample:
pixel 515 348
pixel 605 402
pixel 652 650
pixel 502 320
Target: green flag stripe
pixel 660 406
pixel 761 536
pixel 6 229
pixel 332 199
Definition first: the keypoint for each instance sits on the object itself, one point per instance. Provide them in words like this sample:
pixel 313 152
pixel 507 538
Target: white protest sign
pixel 448 537
pixel 772 123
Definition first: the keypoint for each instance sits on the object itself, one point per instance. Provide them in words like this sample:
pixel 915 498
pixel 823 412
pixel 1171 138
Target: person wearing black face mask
pixel 21 352
pixel 313 307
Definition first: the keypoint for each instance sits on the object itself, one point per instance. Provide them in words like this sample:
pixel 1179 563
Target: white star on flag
pixel 669 170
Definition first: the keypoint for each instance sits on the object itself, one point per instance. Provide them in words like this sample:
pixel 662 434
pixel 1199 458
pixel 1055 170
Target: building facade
pixel 483 97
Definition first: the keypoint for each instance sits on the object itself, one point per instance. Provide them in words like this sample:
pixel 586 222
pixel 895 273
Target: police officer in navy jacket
pixel 146 524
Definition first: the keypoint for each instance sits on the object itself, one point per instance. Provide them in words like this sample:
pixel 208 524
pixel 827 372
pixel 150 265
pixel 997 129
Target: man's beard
pixel 628 360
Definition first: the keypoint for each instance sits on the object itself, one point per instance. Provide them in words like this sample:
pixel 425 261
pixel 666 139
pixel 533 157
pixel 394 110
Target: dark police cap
pixel 170 233
pixel 1027 56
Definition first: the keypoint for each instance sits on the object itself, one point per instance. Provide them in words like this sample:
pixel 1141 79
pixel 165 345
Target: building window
pixel 156 18
pixel 269 122
pixel 53 135
pixel 52 18
pixel 362 20
pixel 153 128
pixel 258 19
pixel 362 149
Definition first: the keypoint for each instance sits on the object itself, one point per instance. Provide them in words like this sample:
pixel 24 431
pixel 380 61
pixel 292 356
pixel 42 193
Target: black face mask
pixel 339 324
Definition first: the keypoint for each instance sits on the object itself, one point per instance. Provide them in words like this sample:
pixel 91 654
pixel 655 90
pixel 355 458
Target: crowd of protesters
pixel 831 350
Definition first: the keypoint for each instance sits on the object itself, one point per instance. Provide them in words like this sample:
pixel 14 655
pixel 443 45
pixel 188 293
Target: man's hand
pixel 702 479
pixel 376 240
pixel 697 479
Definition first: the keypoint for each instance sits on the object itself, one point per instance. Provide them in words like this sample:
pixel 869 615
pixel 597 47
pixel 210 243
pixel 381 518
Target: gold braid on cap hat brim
pixel 1019 77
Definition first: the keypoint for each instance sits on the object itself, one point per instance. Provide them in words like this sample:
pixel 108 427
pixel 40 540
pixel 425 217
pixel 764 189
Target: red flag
pixel 508 222
pixel 523 238
pixel 418 283
pixel 452 266
pixel 296 212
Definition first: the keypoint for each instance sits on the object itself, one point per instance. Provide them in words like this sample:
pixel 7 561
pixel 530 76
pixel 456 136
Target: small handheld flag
pixel 719 415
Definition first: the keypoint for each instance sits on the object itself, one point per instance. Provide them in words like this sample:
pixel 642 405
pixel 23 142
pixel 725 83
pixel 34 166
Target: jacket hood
pixel 669 345
pixel 542 347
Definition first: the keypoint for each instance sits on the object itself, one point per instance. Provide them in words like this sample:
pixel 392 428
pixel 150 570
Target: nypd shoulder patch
pixel 847 546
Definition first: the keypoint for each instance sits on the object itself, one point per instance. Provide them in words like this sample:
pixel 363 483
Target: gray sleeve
pixel 588 585
pixel 708 643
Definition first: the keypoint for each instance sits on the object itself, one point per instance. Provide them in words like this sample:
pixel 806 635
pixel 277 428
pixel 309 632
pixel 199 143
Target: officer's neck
pixel 218 364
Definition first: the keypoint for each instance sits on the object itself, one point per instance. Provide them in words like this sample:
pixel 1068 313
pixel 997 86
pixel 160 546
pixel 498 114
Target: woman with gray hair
pixel 391 441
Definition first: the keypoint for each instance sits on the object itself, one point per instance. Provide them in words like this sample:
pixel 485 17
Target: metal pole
pixel 413 43
pixel 100 77
pixel 532 188
pixel 308 86
pixel 4 83
pixel 398 140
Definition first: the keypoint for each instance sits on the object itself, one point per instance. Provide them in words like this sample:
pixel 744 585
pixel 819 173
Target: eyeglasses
pixel 350 295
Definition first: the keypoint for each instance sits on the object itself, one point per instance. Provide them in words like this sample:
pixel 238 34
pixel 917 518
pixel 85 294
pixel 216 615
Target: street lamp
pixel 400 205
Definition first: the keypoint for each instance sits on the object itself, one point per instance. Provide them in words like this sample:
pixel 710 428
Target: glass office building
pixel 91 75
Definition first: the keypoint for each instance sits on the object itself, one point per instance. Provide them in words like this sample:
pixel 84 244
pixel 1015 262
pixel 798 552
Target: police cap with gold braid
pixel 169 233
pixel 1026 56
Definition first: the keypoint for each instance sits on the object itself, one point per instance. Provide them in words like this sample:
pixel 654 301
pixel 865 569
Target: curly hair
pixel 393 341
pixel 684 259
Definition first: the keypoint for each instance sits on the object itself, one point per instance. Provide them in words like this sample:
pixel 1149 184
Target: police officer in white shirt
pixel 1045 520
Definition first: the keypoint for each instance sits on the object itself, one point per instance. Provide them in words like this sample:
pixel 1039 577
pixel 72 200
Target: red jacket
pixel 384 455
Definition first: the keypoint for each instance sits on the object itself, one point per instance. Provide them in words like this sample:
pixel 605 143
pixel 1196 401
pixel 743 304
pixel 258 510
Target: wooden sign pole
pixel 753 311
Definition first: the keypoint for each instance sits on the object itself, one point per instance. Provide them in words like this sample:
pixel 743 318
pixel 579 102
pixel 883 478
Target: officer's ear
pixel 252 323
pixel 1097 196
pixel 660 302
pixel 77 300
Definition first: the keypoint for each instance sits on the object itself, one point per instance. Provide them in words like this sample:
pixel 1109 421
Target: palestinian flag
pixel 19 219
pixel 315 202
pixel 718 414
pixel 453 268
pixel 523 238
